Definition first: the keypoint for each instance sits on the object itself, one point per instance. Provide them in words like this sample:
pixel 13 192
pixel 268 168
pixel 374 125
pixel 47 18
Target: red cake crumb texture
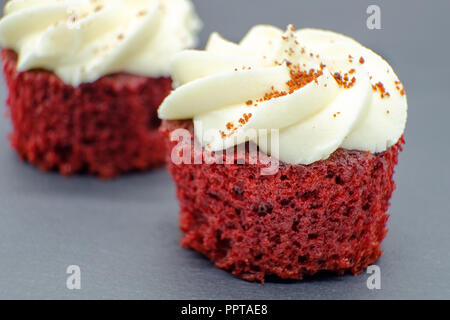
pixel 327 216
pixel 104 128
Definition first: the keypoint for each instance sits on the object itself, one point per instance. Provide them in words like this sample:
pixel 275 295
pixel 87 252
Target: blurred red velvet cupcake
pixel 85 80
pixel 283 149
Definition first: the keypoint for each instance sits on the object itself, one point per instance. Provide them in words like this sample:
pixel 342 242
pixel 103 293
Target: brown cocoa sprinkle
pixel 337 76
pixel 344 81
pixel 380 87
pixel 98 8
pixel 142 13
pixel 120 36
pixel 399 87
pixel 232 129
pixel 247 117
pixel 352 71
pixel 361 60
pixel 298 80
pixel 274 94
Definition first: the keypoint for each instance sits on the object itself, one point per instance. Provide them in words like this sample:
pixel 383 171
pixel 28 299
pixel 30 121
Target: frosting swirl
pixel 320 90
pixel 83 40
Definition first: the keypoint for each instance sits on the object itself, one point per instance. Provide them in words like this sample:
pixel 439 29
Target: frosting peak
pixel 82 40
pixel 321 91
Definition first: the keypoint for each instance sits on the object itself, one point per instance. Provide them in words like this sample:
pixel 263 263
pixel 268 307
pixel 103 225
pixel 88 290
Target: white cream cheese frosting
pixel 355 101
pixel 83 40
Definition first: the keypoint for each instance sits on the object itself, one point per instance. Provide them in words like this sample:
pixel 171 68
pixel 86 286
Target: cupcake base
pixel 104 128
pixel 327 216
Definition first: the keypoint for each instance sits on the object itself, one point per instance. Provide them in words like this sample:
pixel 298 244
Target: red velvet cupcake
pixel 283 150
pixel 85 81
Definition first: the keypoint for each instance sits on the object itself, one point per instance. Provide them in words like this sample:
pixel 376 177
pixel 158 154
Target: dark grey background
pixel 124 234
